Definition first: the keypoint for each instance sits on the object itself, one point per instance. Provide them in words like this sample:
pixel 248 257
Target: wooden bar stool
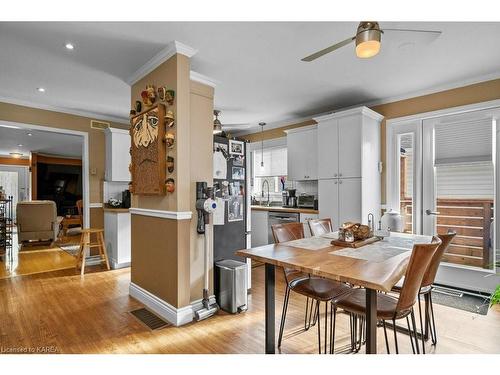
pixel 85 243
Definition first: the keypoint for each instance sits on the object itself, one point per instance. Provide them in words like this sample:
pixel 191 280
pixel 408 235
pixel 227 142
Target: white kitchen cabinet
pixel 339 200
pixel 117 235
pixel 348 143
pixel 349 200
pixel 348 165
pixel 328 149
pixel 350 140
pixel 259 228
pixel 117 155
pixel 302 146
pixel 304 218
pixel 328 200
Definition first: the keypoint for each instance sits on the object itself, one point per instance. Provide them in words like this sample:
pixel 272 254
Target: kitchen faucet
pixel 262 189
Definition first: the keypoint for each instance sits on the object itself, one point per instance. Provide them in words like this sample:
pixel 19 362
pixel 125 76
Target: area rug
pixel 466 302
pixel 70 248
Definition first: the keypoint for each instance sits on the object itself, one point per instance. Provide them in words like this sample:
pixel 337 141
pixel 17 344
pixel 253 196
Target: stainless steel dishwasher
pixel 280 218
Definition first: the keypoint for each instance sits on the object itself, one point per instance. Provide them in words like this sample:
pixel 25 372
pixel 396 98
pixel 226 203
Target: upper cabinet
pixel 117 155
pixel 302 145
pixel 349 143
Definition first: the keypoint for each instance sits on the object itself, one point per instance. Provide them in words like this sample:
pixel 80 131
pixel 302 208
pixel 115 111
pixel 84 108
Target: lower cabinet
pixel 340 200
pixel 304 218
pixel 259 228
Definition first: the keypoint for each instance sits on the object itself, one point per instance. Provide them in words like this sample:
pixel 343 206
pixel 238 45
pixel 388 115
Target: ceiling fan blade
pixel 430 32
pixel 318 54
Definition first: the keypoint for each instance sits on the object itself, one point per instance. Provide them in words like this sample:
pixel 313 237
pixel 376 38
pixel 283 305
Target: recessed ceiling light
pixel 70 46
pixel 19 145
pixel 40 89
pixel 16 155
pixel 29 134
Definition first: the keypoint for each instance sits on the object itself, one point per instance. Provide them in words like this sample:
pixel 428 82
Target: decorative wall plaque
pixel 148 151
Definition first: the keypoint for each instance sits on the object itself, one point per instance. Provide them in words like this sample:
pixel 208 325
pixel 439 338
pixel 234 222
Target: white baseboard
pixel 115 265
pixel 173 315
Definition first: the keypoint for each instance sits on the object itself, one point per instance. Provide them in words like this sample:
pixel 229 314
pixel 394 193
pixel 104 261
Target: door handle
pixel 429 212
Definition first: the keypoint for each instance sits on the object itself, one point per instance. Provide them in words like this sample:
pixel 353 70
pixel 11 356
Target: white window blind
pixel 465 141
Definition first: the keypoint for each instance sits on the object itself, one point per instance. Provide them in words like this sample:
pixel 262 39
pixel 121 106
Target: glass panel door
pixel 404 173
pixel 459 185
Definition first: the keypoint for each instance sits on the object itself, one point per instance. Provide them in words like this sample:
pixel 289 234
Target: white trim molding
pixel 175 316
pixel 349 112
pixel 85 159
pixel 95 205
pixel 300 129
pixel 174 215
pixel 170 50
pixel 198 77
pixel 117 130
pixel 75 112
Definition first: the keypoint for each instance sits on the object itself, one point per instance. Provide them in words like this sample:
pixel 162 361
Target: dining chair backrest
pixel 287 232
pixel 430 274
pixel 319 227
pixel 419 262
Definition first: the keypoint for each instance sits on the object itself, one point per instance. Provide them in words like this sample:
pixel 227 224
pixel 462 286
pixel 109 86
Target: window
pixel 275 167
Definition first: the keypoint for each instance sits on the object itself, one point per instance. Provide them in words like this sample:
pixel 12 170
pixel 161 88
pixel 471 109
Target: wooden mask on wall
pixel 148 151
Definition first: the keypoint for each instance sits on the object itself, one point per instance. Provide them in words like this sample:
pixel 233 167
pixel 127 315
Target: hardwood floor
pixel 32 259
pixel 64 313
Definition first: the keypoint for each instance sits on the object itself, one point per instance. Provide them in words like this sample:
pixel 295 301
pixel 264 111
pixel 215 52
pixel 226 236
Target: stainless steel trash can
pixel 232 290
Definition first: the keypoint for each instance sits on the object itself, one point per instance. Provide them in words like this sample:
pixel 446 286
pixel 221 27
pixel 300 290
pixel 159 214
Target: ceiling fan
pixel 368 37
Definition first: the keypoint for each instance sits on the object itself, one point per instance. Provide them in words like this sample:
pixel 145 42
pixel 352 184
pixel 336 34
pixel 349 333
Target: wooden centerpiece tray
pixel 357 243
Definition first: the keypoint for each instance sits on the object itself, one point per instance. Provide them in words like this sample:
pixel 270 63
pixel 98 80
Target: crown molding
pixel 170 50
pixel 301 129
pixel 349 112
pixel 75 112
pixel 198 77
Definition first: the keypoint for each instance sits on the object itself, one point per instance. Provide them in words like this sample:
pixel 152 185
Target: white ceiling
pixel 48 143
pixel 256 65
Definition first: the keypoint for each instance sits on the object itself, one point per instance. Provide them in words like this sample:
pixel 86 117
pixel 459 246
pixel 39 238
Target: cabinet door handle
pixel 340 174
pixel 335 182
pixel 340 181
pixel 335 175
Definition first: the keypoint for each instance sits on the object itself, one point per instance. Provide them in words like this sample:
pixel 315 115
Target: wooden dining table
pixel 376 267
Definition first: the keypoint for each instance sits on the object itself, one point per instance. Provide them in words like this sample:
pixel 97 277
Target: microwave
pixel 305 201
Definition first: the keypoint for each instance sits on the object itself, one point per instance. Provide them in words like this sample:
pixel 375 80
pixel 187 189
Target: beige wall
pixel 476 93
pixel 97 153
pixel 170 265
pixel 201 169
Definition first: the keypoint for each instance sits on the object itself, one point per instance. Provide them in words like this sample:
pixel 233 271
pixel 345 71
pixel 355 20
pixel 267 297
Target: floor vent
pixel 149 319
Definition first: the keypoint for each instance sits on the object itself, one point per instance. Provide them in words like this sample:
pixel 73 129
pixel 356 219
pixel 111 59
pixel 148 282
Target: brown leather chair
pixel 316 288
pixel 426 288
pixel 388 307
pixel 319 227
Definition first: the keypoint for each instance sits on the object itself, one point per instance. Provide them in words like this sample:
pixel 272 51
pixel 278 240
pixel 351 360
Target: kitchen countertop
pixel 285 209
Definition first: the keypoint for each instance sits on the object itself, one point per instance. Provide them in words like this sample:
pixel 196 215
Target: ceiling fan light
pixel 368 49
pixel 368 40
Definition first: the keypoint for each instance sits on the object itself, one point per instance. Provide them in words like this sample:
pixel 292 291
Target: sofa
pixel 37 221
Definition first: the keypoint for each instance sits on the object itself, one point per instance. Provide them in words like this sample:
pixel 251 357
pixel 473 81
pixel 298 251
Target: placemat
pixel 311 243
